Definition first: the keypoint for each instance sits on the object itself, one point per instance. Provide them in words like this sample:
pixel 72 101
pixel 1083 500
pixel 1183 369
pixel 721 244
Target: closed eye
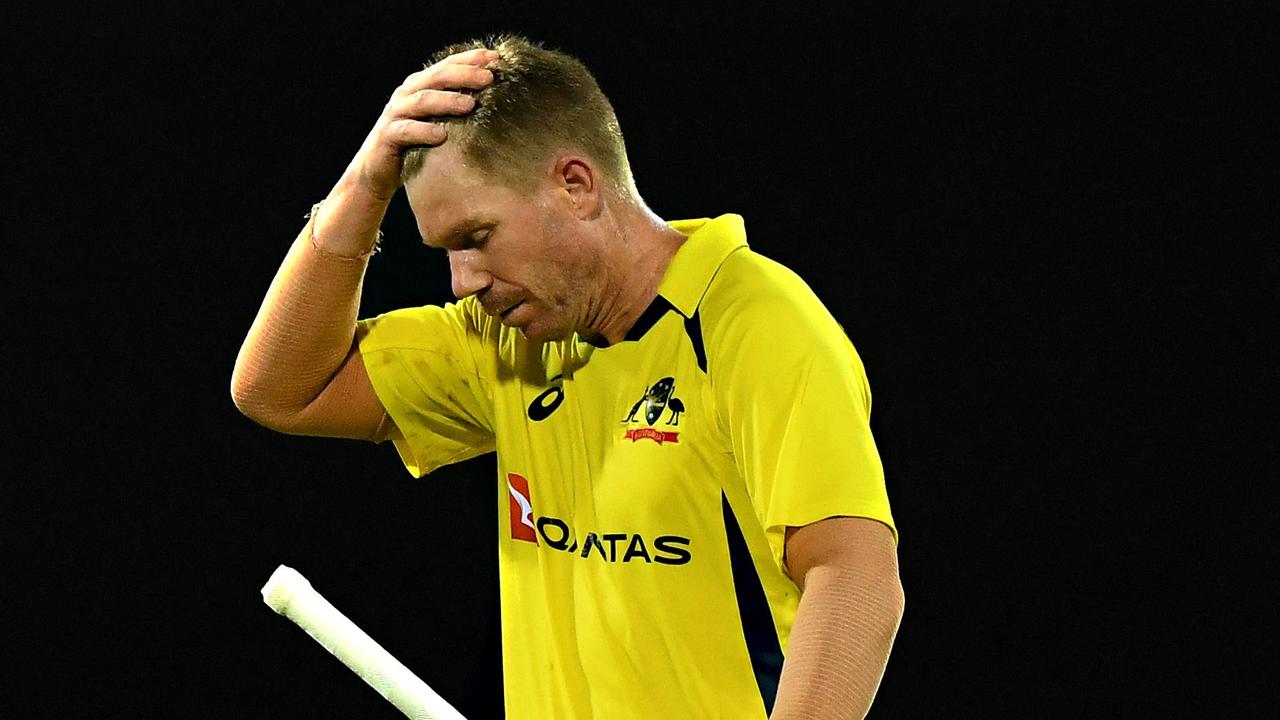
pixel 463 239
pixel 477 238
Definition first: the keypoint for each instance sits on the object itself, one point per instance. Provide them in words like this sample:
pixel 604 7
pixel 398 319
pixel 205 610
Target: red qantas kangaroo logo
pixel 522 527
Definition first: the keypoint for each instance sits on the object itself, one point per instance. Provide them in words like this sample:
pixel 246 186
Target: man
pixel 693 513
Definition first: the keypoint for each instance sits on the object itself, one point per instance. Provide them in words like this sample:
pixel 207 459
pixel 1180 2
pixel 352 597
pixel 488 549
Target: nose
pixel 468 273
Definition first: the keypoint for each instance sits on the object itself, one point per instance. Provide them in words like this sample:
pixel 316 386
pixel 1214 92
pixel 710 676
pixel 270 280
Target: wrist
pixel 347 222
pixel 342 251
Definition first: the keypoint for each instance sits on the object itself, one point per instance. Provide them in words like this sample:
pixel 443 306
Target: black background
pixel 1038 222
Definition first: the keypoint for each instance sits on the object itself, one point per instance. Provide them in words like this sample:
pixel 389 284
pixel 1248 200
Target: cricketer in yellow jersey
pixel 693 512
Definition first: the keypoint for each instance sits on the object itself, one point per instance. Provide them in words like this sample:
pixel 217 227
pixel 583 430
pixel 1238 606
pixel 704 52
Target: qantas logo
pixel 612 547
pixel 655 400
pixel 522 527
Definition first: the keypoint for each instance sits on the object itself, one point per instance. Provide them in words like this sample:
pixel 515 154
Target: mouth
pixel 505 313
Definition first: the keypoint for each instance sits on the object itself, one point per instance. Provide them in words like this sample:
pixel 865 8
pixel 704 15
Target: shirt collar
pixel 708 242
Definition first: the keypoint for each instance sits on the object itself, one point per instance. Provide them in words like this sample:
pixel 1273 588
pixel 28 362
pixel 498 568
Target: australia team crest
pixel 658 400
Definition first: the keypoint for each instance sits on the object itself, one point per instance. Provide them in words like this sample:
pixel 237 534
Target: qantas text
pixel 615 547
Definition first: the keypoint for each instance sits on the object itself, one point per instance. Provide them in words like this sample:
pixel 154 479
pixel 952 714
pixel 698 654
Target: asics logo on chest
pixel 546 403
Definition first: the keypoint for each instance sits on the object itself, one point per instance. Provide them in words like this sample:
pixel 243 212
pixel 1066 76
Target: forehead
pixel 451 196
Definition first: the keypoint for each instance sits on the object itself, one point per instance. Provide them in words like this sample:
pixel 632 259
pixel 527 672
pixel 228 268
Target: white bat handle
pixel 289 594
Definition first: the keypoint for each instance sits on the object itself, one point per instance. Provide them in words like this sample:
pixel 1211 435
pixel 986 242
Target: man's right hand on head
pixel 300 369
pixel 406 121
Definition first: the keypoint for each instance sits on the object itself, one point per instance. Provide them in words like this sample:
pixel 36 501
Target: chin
pixel 533 335
pixel 540 332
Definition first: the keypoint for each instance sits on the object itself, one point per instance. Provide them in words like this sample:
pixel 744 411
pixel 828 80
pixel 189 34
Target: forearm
pixel 305 326
pixel 840 643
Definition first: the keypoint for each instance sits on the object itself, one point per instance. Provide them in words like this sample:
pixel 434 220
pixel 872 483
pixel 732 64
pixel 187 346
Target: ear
pixel 576 178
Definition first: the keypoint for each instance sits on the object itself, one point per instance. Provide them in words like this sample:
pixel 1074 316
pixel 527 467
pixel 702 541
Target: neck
pixel 634 265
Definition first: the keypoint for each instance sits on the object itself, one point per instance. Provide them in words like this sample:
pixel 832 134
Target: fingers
pixel 432 92
pixel 451 75
pixel 456 76
pixel 436 92
pixel 478 56
pixel 406 121
pixel 410 133
pixel 430 103
pixel 464 70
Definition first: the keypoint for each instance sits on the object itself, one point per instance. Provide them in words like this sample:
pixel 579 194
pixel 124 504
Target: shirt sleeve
pixel 793 397
pixel 424 366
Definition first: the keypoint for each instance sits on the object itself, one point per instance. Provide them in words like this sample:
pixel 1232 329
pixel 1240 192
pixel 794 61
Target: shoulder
pixel 756 299
pixel 462 332
pixel 427 327
pixel 769 339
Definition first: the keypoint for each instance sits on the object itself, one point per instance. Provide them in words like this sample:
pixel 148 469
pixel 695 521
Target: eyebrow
pixel 458 232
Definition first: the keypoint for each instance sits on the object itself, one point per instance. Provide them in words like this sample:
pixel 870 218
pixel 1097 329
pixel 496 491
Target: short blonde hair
pixel 541 102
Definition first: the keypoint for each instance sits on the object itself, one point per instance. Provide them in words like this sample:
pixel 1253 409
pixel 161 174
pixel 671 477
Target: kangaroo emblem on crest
pixel 659 397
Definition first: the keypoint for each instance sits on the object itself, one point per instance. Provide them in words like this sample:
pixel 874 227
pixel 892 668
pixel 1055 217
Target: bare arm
pixel 298 370
pixel 850 609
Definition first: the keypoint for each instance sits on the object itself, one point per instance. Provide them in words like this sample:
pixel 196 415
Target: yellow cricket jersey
pixel 644 488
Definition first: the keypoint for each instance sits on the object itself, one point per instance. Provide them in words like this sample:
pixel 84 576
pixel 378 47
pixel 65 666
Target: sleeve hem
pixel 776 532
